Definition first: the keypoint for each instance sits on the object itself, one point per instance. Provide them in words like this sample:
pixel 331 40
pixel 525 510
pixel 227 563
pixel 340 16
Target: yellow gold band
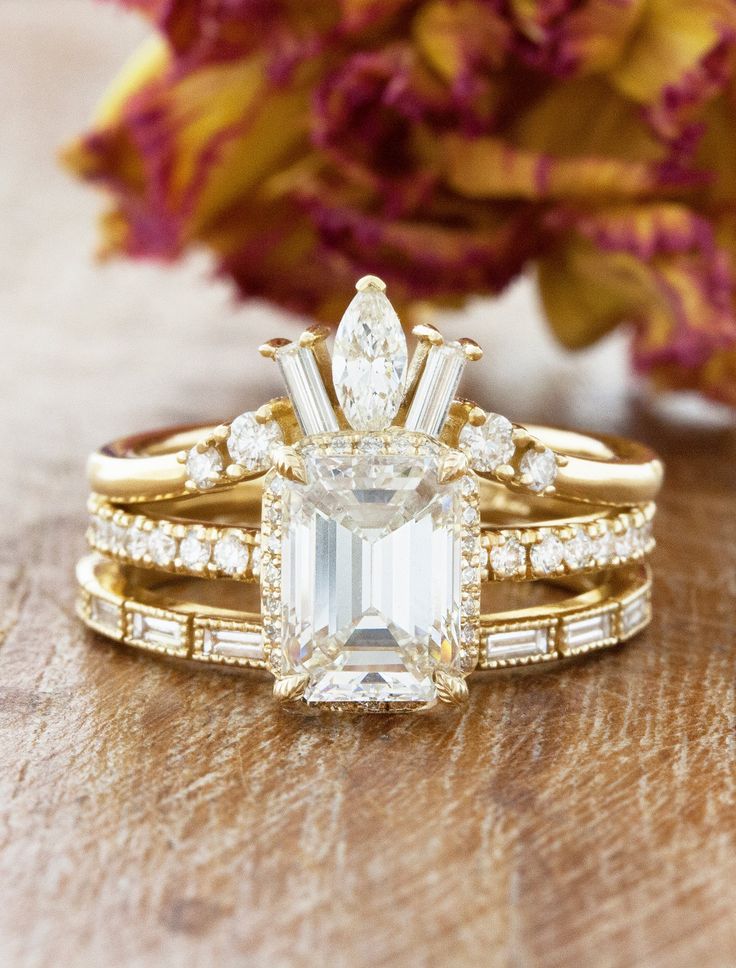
pixel 596 470
pixel 188 619
pixel 212 545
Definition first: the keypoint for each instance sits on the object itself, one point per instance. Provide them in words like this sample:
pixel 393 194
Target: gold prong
pixel 290 688
pixel 290 465
pixel 190 486
pixel 182 457
pixel 234 472
pixel 452 467
pixel 451 688
pixel 476 417
pixel 264 414
pixel 270 348
pixel 561 461
pixel 313 335
pixel 525 480
pixel 505 473
pixel 521 437
pixel 427 333
pixel 471 349
pixel 370 282
pixel 549 490
pixel 221 433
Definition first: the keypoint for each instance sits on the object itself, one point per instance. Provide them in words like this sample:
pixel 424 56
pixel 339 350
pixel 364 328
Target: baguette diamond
pixel 436 389
pixel 306 389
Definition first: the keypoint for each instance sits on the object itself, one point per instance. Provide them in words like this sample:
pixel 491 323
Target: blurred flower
pixel 446 145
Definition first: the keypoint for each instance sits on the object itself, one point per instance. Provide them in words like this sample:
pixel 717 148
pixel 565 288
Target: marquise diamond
pixel 369 361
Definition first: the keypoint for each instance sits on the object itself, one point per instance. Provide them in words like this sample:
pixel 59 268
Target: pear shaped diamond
pixel 369 361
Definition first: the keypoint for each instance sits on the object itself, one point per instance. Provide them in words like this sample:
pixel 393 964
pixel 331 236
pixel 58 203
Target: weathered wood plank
pixel 154 815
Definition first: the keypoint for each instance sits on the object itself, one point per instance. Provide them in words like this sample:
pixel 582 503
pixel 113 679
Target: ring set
pixel 370 538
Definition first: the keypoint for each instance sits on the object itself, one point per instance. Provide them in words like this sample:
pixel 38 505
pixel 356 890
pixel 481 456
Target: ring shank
pixel 603 471
pixel 181 617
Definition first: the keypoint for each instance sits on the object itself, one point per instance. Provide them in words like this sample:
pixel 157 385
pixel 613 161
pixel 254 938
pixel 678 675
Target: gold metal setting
pixel 624 595
pixel 538 504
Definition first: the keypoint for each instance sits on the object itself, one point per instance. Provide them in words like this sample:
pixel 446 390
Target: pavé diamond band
pixel 380 496
pixel 205 548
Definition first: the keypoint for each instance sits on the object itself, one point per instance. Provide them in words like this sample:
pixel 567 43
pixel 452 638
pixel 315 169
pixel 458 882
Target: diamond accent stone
pixel 635 614
pixel 155 631
pixel 547 555
pixel 371 445
pixel 490 445
pixel 517 643
pixel 604 548
pixel 369 361
pixel 255 561
pixel 161 547
pixel 580 634
pixel 204 468
pixel 436 390
pixel 625 544
pixel 251 442
pixel 578 550
pixel 194 551
pixel 232 643
pixel 306 388
pixel 231 555
pixel 541 467
pixel 101 531
pixel 371 601
pixel 136 543
pixel 106 616
pixel 117 538
pixel 508 559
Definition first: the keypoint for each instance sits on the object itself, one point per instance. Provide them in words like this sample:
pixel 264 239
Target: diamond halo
pixel 370 558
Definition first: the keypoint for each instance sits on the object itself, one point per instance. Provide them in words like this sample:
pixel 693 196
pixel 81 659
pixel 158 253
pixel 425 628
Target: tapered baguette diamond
pixel 306 389
pixel 369 361
pixel 436 389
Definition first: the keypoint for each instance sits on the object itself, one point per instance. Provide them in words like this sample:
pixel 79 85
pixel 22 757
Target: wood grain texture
pixel 151 815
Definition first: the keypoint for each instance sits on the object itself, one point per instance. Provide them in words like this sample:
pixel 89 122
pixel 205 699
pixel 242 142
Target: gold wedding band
pixel 370 538
pixel 168 615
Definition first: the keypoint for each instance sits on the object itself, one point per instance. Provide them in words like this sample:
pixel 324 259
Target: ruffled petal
pixel 658 267
pixel 672 38
pixel 446 144
pixel 180 150
pixel 566 37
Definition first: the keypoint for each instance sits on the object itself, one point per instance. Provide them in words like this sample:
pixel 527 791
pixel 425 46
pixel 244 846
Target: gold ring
pixel 209 542
pixel 173 616
pixel 601 470
pixel 386 508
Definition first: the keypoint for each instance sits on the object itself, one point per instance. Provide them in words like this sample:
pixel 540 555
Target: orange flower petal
pixel 671 38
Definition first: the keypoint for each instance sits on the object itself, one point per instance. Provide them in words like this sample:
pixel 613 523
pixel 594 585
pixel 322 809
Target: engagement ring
pixel 371 539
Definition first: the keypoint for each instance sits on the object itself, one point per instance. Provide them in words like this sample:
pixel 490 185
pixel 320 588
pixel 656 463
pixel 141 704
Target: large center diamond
pixel 370 577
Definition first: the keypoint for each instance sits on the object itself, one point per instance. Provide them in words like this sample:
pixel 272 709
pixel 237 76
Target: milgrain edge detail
pixel 558 620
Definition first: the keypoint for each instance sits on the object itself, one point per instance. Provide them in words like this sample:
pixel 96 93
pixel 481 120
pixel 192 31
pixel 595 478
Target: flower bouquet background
pixel 449 147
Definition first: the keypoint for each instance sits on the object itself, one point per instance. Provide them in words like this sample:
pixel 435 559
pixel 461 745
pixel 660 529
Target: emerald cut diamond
pixel 376 581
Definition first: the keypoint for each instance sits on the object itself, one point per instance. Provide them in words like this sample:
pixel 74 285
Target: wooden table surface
pixel 151 815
